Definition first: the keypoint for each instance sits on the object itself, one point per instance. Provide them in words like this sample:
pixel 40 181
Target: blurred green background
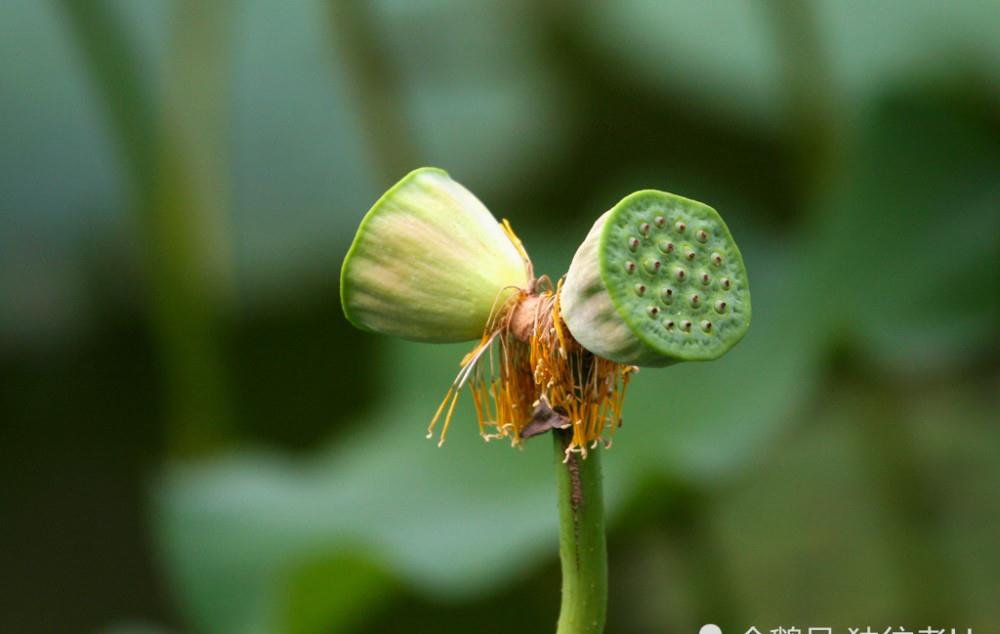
pixel 192 438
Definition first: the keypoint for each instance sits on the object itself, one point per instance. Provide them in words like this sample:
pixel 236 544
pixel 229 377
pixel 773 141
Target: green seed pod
pixel 658 280
pixel 429 263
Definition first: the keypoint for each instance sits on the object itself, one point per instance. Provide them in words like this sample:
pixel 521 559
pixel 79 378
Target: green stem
pixel 582 546
pixel 913 520
pixel 173 149
pixel 375 87
pixel 810 92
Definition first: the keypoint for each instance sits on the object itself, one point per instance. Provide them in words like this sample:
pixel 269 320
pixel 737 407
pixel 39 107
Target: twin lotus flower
pixel 658 279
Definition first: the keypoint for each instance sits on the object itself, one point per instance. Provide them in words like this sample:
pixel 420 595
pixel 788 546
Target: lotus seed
pixel 640 289
pixel 630 267
pixel 702 236
pixel 690 255
pixel 716 259
pixel 653 311
pixel 660 221
pixel 705 278
pixel 666 246
pixel 652 265
pixel 633 243
pixel 686 325
pixel 681 274
pixel 720 306
pixel 680 227
pixel 667 295
pixel 644 228
pixel 726 283
pixel 669 323
pixel 706 325
pixel 695 300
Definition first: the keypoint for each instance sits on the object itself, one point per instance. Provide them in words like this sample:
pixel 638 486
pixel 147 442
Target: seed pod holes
pixel 690 267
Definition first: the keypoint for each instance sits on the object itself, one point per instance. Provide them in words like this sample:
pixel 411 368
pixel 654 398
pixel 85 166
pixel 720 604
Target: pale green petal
pixel 587 309
pixel 429 262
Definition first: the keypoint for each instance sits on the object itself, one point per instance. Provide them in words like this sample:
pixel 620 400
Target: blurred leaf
pixel 812 523
pixel 905 258
pixel 723 55
pixel 332 594
pixel 51 128
pixel 451 521
pixel 719 53
pixel 483 103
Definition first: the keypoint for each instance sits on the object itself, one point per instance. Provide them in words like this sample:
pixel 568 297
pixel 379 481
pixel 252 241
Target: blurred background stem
pixel 810 94
pixel 111 61
pixel 686 521
pixel 176 165
pixel 375 87
pixel 905 492
pixel 582 543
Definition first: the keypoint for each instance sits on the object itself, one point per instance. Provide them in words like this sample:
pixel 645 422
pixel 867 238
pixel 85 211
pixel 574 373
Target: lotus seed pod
pixel 694 306
pixel 429 263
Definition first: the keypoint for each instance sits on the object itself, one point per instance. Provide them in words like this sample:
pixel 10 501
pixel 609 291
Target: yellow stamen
pixel 587 389
pixel 520 248
pixel 430 428
pixel 447 419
